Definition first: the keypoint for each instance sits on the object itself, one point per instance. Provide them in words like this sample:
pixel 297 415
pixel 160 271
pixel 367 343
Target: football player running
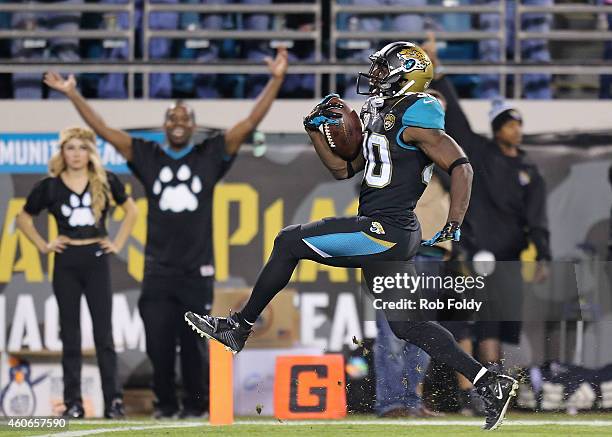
pixel 403 138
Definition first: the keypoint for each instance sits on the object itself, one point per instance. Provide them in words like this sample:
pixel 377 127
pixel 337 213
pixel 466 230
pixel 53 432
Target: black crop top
pixel 72 211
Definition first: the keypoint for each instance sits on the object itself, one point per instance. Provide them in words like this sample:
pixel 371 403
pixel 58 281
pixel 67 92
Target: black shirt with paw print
pixel 179 188
pixel 72 211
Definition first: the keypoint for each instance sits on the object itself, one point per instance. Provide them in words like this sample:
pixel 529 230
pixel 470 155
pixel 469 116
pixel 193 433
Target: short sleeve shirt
pixel 180 194
pixel 72 211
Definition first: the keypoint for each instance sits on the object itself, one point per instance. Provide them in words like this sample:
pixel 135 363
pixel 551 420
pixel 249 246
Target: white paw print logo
pixel 79 212
pixel 180 197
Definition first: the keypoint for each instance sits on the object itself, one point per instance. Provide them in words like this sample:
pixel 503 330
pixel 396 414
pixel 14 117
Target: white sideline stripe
pixel 119 429
pixel 146 425
pixel 137 422
pixel 426 422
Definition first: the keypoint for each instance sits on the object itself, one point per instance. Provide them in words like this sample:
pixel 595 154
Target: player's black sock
pixel 273 278
pixel 440 345
pixel 243 322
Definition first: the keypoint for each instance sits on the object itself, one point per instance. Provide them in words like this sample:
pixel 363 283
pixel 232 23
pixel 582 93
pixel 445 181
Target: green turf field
pixel 557 425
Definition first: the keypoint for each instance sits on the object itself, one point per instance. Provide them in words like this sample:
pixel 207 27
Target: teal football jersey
pixel 396 173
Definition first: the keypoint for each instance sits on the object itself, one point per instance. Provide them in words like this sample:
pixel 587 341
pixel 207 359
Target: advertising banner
pixel 257 198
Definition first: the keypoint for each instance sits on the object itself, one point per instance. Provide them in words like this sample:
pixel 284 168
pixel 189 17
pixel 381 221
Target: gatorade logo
pixel 318 392
pixel 309 387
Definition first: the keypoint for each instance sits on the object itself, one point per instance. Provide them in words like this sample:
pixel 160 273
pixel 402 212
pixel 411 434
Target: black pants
pixel 339 242
pixel 162 305
pixel 353 242
pixel 505 282
pixel 85 270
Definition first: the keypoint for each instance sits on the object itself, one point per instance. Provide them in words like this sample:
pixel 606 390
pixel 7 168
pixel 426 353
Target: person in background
pixel 256 50
pixel 78 193
pixel 179 178
pixel 535 85
pixel 114 85
pixel 470 403
pixel 201 86
pixel 395 359
pixel 507 210
pixel 299 86
pixel 65 49
pixel 160 84
pixel 386 228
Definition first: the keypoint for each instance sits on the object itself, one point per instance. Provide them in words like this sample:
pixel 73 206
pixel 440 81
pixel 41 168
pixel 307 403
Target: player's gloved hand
pixel 450 231
pixel 323 113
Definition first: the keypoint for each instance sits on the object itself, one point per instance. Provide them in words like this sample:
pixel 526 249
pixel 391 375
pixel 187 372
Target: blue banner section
pixel 30 152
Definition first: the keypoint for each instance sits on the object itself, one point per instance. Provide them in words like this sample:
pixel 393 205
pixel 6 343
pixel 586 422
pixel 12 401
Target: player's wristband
pixel 458 161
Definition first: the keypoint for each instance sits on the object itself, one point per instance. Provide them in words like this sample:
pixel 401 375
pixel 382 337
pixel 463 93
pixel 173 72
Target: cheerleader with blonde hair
pixel 79 193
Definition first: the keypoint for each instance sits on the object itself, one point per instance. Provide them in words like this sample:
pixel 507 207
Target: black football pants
pixel 162 305
pixel 353 242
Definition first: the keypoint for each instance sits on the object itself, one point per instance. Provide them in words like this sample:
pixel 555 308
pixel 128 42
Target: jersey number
pixel 379 167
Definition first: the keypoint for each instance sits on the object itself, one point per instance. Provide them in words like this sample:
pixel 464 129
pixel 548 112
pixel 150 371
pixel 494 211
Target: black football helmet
pixel 397 68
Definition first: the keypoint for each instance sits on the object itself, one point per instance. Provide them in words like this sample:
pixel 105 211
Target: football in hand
pixel 345 138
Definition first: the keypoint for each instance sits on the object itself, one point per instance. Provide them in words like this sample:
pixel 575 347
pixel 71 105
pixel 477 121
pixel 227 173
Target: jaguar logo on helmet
pixel 413 59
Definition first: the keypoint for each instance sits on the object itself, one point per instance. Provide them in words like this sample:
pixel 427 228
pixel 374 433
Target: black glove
pixel 323 113
pixel 450 231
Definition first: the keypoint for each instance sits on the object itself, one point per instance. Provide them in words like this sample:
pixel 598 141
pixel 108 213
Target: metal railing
pixel 281 35
pixel 145 68
pixel 500 8
pixel 356 10
pixel 148 67
pixel 101 34
pixel 319 68
pixel 555 35
pixel 29 7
